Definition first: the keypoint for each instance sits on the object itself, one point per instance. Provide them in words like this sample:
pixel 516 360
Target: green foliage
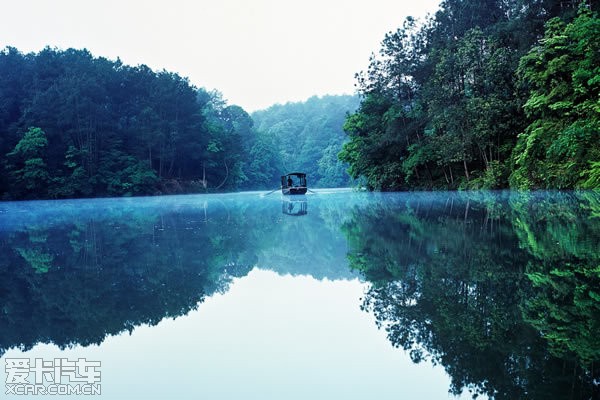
pixel 307 137
pixel 561 144
pixel 112 130
pixel 137 178
pixel 104 128
pixel 27 168
pixel 372 151
pixel 565 308
pixel 494 177
pixel 37 259
pixel 32 144
pixel 446 100
pixel 332 171
pixel 591 176
pixel 564 271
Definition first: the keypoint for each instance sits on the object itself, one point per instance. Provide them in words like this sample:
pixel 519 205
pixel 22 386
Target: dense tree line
pixel 309 135
pixel 483 94
pixel 75 125
pixel 72 125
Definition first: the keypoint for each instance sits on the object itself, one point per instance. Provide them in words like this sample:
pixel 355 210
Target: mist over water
pixel 332 294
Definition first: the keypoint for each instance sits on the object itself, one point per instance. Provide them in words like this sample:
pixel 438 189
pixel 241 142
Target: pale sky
pixel 256 52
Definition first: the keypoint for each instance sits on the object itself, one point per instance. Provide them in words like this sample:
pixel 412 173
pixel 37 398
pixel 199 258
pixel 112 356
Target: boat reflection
pixel 296 206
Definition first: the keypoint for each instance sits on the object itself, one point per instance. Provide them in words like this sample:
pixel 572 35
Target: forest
pixel 309 136
pixel 74 125
pixel 483 94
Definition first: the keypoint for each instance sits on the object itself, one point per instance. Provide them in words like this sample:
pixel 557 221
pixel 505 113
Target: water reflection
pixel 296 206
pixel 75 272
pixel 501 289
pixel 72 276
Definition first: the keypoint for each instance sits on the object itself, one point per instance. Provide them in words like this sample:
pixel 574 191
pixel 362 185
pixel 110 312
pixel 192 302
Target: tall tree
pixel 307 136
pixel 112 129
pixel 561 146
pixel 27 166
pixel 442 102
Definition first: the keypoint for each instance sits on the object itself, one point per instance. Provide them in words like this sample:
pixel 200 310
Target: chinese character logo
pixel 59 376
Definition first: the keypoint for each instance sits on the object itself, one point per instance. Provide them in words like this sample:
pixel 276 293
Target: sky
pixel 255 52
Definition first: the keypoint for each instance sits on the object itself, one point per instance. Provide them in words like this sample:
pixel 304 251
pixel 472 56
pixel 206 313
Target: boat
pixel 293 183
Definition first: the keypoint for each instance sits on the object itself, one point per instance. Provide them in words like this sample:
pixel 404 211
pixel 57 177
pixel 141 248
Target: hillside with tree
pixel 483 94
pixel 75 125
pixel 309 136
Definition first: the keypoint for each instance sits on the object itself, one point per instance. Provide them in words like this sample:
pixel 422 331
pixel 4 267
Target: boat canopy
pixel 294 179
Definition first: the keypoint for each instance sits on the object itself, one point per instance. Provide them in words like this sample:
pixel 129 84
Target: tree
pixel 28 170
pixel 442 104
pixel 112 129
pixel 303 133
pixel 560 148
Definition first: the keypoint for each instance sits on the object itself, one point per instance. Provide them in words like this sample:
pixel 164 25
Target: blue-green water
pixel 333 295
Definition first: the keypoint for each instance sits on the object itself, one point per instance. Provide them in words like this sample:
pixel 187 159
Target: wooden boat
pixel 293 183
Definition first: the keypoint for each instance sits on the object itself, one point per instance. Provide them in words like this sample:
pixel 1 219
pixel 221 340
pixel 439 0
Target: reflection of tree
pixel 447 281
pixel 110 272
pixel 502 290
pixel 564 271
pixel 73 272
pixel 310 245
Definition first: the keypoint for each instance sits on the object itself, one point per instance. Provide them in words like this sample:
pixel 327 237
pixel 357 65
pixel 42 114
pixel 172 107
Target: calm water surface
pixel 332 295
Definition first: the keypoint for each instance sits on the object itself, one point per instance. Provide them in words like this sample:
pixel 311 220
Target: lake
pixel 333 295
